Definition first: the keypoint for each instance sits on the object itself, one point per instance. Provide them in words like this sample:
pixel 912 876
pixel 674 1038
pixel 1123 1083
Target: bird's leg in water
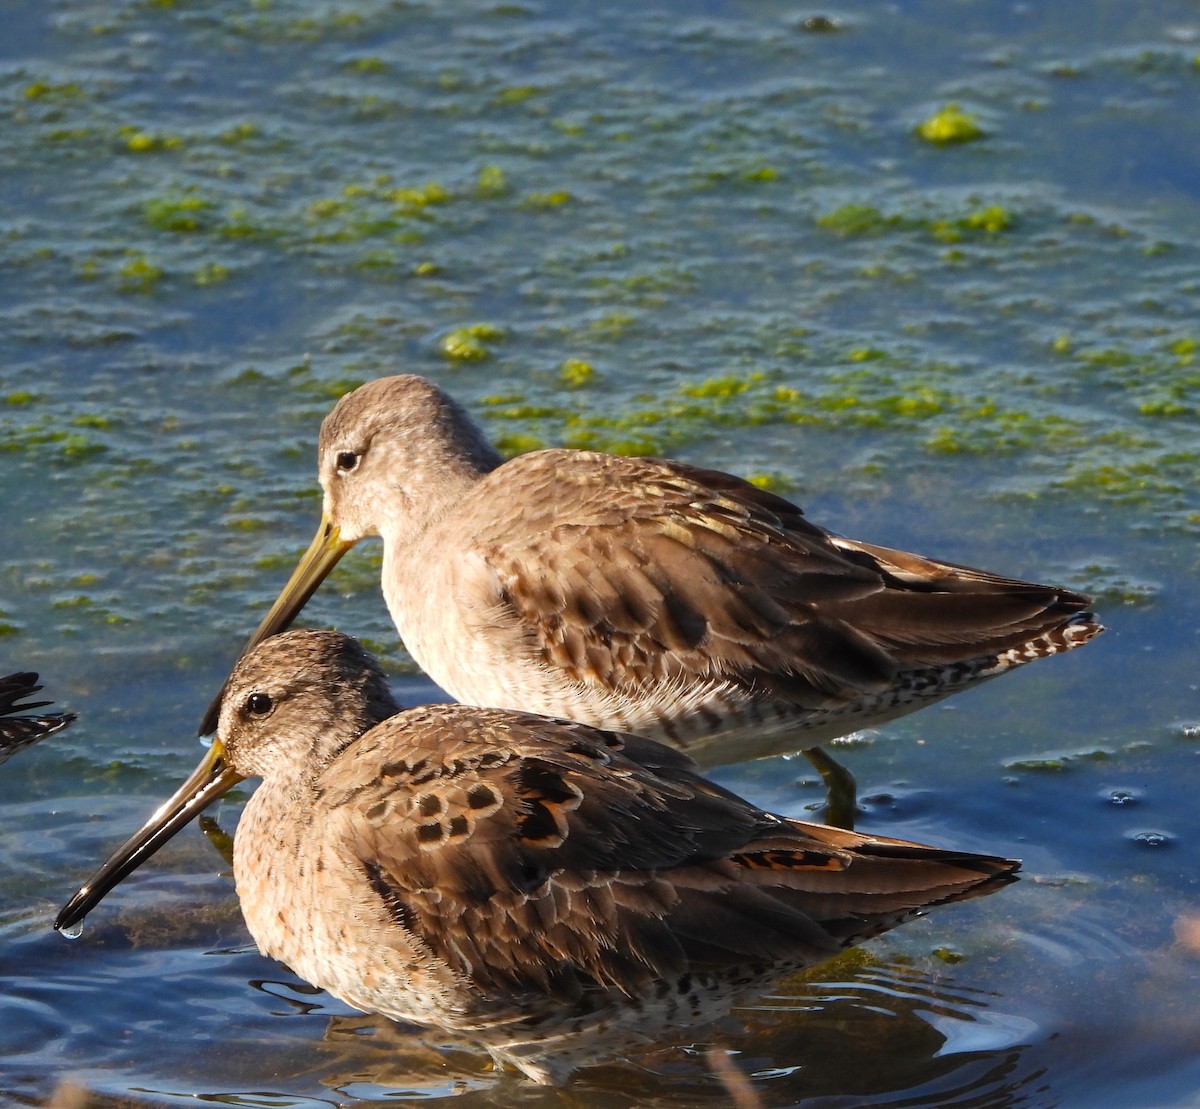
pixel 841 792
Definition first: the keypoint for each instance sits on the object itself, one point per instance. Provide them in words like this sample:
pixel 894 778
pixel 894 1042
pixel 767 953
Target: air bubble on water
pixel 1151 839
pixel 1122 797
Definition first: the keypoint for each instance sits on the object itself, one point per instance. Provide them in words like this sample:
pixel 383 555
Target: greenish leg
pixel 841 792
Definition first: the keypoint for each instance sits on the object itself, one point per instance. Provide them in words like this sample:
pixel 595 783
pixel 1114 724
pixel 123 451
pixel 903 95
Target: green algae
pixel 515 94
pixel 239 133
pixel 739 173
pixel 137 141
pixel 1059 763
pixel 52 90
pixel 875 391
pixel 1107 583
pixel 949 125
pixel 498 399
pixel 92 610
pixel 576 373
pixel 139 275
pixel 511 444
pixel 181 213
pixel 520 411
pixel 46 440
pixel 369 65
pixel 94 419
pixel 858 220
pixel 211 273
pixel 772 483
pixel 240 224
pixel 78 601
pixel 414 199
pixel 1167 407
pixel 1184 350
pixel 640 446
pixel 491 181
pixel 549 201
pixel 720 387
pixel 612 324
pixel 366 210
pixel 470 343
pixel 1140 483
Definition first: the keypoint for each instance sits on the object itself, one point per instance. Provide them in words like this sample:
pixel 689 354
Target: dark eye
pixel 347 461
pixel 259 704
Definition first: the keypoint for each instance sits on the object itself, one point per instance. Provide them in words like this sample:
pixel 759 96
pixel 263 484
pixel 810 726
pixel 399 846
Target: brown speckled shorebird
pixel 19 732
pixel 498 872
pixel 646 595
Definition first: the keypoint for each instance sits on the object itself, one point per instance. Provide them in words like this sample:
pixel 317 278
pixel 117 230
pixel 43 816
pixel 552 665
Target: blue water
pixel 216 217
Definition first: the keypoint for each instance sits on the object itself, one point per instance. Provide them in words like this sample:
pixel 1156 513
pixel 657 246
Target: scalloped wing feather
pixel 631 573
pixel 537 856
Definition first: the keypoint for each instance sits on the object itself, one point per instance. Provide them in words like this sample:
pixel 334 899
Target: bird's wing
pixel 16 686
pixel 534 855
pixel 631 573
pixel 17 732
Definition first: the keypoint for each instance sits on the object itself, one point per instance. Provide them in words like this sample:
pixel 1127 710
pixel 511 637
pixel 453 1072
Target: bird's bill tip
pixel 212 778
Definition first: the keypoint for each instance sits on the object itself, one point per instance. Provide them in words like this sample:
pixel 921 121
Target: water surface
pixel 709 231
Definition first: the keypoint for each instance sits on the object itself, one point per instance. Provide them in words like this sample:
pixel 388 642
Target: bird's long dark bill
pixel 322 555
pixel 213 777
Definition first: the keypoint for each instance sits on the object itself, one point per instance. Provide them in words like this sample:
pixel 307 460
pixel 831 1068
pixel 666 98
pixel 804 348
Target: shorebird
pixel 647 595
pixel 511 875
pixel 19 732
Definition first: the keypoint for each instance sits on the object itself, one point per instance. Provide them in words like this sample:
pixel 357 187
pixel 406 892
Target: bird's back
pixel 687 604
pixel 485 865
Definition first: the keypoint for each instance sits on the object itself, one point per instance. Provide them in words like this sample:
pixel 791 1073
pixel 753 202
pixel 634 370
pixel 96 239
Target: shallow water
pixel 703 230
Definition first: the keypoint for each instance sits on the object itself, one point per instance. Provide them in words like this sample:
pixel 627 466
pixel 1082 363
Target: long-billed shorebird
pixel 648 595
pixel 511 875
pixel 19 732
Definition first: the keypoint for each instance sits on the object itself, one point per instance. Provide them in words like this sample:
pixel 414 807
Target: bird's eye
pixel 347 461
pixel 259 704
